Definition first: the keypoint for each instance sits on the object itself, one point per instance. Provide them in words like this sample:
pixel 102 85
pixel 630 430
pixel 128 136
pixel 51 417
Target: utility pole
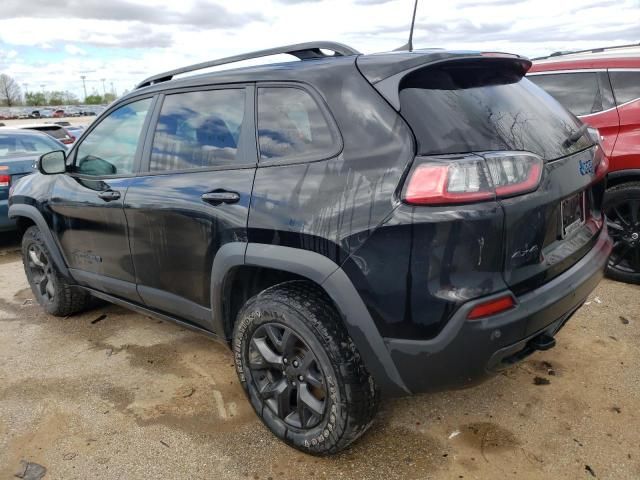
pixel 84 87
pixel 104 90
pixel 113 90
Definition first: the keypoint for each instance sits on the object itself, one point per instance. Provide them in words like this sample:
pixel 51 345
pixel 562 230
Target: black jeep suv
pixel 349 224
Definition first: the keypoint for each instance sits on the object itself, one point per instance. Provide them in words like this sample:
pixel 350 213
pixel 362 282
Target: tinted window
pixel 110 148
pixel 21 145
pixel 55 132
pixel 198 130
pixel 581 93
pixel 626 86
pixel 465 108
pixel 291 125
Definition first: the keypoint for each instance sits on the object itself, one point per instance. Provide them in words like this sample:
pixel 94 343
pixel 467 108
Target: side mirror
pixel 53 162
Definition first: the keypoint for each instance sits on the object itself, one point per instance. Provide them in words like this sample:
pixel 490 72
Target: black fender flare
pixel 32 213
pixel 336 284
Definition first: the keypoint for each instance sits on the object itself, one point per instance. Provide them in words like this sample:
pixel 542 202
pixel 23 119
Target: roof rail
pixel 588 50
pixel 303 51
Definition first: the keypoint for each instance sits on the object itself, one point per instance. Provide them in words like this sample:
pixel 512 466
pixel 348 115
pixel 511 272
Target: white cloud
pixel 134 39
pixel 74 50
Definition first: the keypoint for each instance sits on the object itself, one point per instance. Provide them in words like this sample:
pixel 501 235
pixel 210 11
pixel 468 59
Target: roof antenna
pixel 409 45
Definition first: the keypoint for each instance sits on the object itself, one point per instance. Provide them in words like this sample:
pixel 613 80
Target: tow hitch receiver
pixel 543 342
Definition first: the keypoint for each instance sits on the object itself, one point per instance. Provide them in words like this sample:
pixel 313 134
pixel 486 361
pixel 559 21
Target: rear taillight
pixel 492 307
pixel 5 180
pixel 472 178
pixel 600 163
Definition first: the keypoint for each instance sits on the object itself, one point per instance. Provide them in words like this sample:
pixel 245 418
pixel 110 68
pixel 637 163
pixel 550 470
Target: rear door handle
pixel 221 196
pixel 109 195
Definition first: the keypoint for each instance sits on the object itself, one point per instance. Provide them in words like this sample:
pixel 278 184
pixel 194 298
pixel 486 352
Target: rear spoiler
pixel 386 71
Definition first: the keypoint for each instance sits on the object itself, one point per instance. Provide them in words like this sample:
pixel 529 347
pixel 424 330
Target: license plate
pixel 572 213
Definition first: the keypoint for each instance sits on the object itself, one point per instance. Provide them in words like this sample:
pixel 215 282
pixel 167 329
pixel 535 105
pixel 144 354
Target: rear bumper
pixel 6 223
pixel 466 352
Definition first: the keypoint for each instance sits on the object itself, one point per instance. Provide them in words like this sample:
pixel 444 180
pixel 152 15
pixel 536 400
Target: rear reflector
pixel 472 178
pixel 4 180
pixel 492 307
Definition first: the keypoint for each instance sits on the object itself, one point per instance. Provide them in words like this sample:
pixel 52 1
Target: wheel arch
pixel 620 177
pixel 27 215
pixel 292 263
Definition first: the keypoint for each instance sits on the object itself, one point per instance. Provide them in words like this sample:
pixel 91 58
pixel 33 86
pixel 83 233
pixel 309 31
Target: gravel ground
pixel 113 394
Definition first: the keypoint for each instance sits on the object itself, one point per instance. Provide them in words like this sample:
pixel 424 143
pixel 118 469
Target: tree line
pixel 11 96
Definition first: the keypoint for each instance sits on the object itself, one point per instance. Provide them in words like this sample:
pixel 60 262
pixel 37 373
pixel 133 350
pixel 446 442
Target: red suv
pixel 602 87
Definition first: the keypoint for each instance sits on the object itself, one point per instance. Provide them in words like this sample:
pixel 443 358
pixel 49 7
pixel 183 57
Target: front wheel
pixel 622 207
pixel 301 371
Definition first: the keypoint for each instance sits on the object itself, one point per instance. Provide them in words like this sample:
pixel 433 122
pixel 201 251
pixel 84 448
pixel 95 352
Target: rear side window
pixel 479 106
pixel 626 86
pixel 292 126
pixel 581 93
pixel 198 130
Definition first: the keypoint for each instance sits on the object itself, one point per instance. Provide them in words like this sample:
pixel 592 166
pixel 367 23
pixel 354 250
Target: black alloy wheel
pixel 41 272
pixel 623 220
pixel 287 375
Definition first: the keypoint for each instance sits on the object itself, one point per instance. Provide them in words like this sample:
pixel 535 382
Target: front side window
pixel 626 86
pixel 292 126
pixel 581 93
pixel 110 148
pixel 198 130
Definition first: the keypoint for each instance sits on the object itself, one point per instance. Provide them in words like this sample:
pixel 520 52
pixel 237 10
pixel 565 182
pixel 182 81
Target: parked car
pixel 56 131
pixel 19 152
pixel 75 131
pixel 349 224
pixel 602 87
pixel 58 113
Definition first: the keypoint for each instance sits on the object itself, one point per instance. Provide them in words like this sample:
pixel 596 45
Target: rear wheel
pixel 301 371
pixel 622 207
pixel 51 290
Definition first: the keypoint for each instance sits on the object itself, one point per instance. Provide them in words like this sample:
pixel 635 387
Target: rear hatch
pixel 514 144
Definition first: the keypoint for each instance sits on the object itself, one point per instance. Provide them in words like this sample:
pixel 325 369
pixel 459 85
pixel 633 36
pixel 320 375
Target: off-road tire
pixel 621 193
pixel 353 397
pixel 66 299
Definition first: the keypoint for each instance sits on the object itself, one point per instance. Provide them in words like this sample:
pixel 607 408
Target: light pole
pixel 113 90
pixel 84 87
pixel 104 89
pixel 44 97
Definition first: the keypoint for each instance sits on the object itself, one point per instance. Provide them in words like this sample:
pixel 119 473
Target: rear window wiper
pixel 575 136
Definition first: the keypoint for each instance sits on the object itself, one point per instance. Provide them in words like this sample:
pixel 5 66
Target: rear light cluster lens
pixel 600 163
pixel 4 181
pixel 473 178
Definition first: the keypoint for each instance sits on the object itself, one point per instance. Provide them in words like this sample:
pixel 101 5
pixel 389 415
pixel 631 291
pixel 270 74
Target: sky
pixel 50 44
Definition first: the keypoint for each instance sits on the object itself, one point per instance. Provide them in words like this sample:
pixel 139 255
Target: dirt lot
pixel 113 394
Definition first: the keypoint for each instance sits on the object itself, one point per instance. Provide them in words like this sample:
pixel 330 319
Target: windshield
pixel 460 108
pixel 26 145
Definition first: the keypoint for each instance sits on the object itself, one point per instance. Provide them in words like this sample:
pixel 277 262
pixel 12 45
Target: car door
pixel 193 197
pixel 588 95
pixel 87 202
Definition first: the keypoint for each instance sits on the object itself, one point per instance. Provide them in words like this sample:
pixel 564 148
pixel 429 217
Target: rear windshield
pixel 23 144
pixel 55 132
pixel 480 106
